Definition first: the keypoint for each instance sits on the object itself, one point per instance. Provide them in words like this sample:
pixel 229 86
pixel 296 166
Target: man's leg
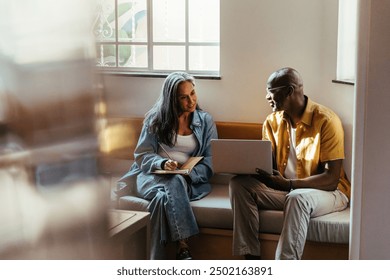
pixel 300 206
pixel 247 196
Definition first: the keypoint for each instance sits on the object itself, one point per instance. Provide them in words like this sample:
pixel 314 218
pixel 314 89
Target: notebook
pixel 185 169
pixel 237 156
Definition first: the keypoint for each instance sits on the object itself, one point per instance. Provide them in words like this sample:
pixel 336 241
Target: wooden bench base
pixel 216 244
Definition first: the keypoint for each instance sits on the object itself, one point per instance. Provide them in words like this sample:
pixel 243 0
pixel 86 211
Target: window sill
pixel 157 75
pixel 344 82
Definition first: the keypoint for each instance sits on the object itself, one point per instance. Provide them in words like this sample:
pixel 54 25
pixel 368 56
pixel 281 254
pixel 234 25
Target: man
pixel 308 181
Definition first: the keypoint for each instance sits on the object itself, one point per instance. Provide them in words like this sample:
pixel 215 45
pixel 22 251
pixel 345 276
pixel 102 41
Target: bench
pixel 328 235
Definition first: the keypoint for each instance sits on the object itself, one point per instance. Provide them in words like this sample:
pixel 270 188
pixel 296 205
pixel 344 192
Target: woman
pixel 174 130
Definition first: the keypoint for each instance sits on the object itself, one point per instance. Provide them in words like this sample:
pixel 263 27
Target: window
pixel 158 36
pixel 347 41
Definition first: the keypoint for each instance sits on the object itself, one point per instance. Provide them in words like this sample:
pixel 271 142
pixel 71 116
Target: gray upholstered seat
pixel 214 211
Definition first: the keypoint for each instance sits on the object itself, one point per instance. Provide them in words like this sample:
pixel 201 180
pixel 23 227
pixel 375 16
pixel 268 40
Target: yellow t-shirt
pixel 319 138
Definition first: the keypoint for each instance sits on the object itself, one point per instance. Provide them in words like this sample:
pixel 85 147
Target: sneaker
pixel 184 254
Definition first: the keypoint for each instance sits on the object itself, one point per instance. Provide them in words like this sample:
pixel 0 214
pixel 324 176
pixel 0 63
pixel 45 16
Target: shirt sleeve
pixel 332 140
pixel 145 153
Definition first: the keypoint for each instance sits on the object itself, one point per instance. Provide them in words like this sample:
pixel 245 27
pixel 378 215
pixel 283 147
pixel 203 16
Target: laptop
pixel 238 156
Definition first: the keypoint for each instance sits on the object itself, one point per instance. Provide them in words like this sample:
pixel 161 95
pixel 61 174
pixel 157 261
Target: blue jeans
pixel 172 217
pixel 248 195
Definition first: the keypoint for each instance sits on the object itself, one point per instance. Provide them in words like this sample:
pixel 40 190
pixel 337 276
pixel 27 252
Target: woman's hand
pixel 171 165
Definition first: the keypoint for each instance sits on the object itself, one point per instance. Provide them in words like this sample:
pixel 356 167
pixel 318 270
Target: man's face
pixel 276 97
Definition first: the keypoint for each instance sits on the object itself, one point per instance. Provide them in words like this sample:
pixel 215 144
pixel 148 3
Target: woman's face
pixel 186 96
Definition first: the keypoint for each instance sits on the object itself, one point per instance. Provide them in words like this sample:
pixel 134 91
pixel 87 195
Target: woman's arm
pixel 145 153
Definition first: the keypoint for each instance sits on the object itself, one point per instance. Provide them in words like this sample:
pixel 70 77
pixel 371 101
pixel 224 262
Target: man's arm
pixel 327 180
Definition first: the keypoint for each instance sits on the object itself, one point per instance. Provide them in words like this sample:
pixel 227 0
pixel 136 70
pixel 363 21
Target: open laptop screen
pixel 238 156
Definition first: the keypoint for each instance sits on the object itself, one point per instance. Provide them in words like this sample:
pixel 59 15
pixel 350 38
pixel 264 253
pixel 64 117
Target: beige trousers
pixel 248 195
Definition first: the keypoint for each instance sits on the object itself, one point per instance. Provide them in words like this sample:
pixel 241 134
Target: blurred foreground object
pixel 53 204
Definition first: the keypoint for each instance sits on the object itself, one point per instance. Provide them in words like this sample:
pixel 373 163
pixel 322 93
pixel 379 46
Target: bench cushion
pixel 214 211
pixel 331 228
pixel 133 203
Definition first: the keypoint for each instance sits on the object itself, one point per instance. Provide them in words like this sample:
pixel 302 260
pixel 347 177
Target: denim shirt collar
pixel 196 125
pixel 195 120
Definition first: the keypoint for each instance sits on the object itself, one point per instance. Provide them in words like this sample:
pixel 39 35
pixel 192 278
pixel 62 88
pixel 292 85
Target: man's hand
pixel 275 180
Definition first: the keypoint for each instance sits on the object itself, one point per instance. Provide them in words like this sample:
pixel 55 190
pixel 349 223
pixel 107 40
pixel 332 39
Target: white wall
pixel 371 176
pixel 257 37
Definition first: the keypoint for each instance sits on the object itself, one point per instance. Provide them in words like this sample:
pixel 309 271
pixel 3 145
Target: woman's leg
pixel 181 218
pixel 172 217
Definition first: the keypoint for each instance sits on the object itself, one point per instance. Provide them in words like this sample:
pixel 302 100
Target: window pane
pixel 133 56
pixel 106 55
pixel 132 20
pixel 204 20
pixel 169 21
pixel 104 27
pixel 204 58
pixel 185 35
pixel 346 44
pixel 169 58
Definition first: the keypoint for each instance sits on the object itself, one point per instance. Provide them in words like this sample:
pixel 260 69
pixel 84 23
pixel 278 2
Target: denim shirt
pixel 147 158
